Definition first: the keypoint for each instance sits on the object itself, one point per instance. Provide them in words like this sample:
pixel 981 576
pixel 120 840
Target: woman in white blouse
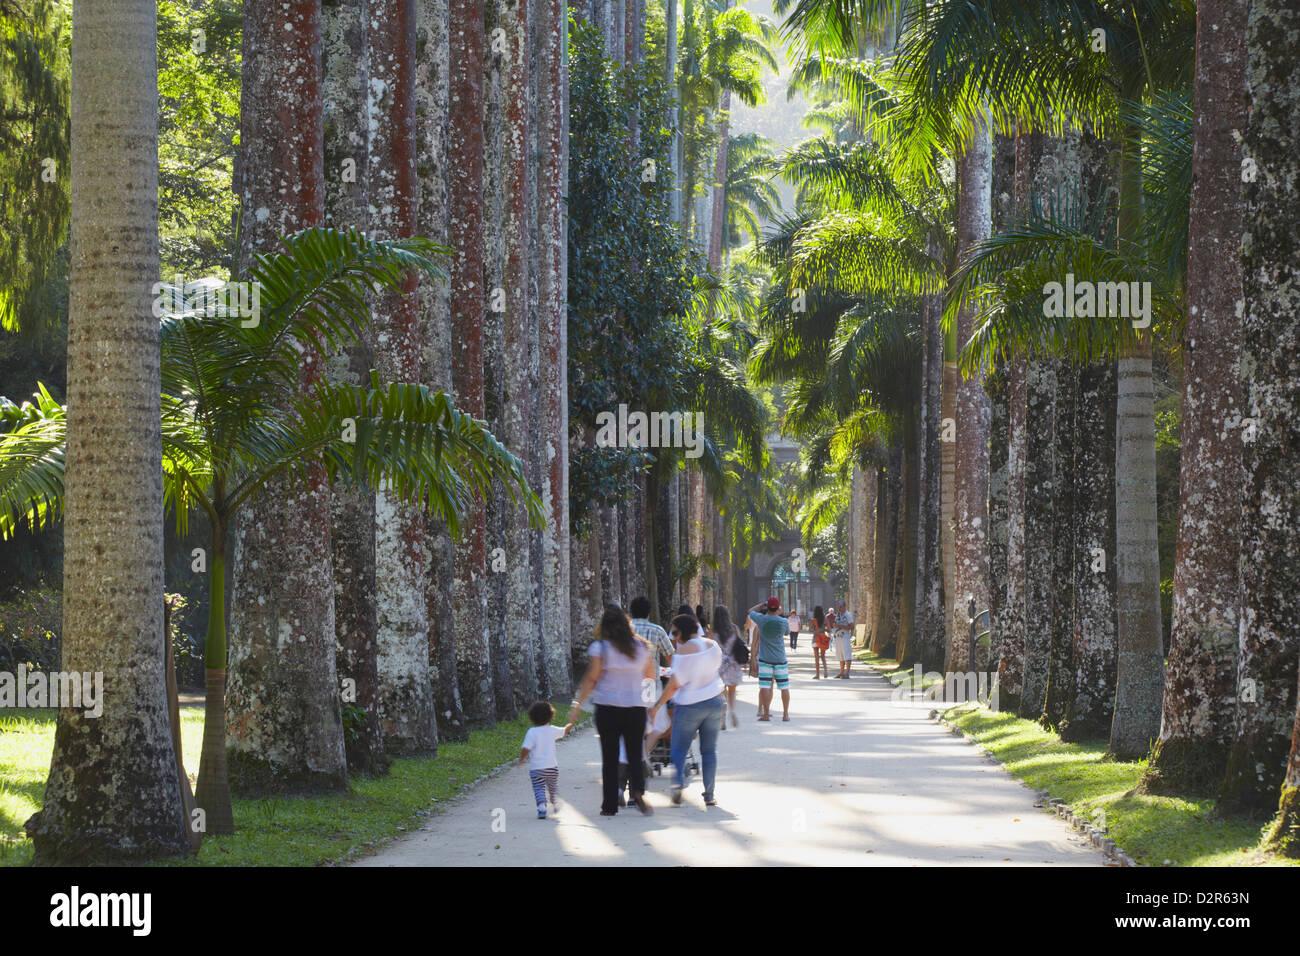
pixel 696 692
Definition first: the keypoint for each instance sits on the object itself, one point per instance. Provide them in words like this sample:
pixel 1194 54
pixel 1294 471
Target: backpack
pixel 739 651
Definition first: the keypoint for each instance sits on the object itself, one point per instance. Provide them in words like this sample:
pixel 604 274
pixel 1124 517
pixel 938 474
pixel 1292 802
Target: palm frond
pixel 33 436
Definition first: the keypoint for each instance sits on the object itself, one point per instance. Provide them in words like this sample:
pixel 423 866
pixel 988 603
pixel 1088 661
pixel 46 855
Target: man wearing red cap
pixel 767 656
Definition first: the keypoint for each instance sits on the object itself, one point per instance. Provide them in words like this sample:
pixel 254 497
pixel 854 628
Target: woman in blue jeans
pixel 696 692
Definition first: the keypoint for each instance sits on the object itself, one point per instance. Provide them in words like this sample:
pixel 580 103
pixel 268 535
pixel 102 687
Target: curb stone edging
pixel 1096 836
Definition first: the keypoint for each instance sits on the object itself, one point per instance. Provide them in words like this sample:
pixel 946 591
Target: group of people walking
pixel 646 683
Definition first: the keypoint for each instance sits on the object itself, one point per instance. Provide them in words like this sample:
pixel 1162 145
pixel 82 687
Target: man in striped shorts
pixel 767 656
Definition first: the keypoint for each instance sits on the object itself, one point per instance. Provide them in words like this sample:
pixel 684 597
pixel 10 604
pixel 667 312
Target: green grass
pixel 26 742
pixel 1153 830
pixel 283 831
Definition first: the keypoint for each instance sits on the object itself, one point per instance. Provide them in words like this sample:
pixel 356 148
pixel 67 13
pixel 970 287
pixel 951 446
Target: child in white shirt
pixel 539 751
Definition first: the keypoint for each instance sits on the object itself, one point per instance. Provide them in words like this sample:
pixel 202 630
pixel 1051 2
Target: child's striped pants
pixel 546 779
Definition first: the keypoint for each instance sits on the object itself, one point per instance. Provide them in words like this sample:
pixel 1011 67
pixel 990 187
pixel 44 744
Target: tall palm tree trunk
pixel 718 195
pixel 674 119
pixel 520 349
pixel 1044 164
pixel 468 305
pixel 282 633
pixel 551 112
pixel 345 86
pixel 608 570
pixel 402 633
pixel 908 648
pixel 1011 618
pixel 1088 713
pixel 1197 713
pixel 1270 519
pixel 497 506
pixel 971 478
pixel 1040 492
pixel 997 387
pixel 929 597
pixel 633 31
pixel 659 491
pixel 695 528
pixel 1060 655
pixel 432 90
pixel 948 487
pixel 1140 669
pixel 888 556
pixel 864 557
pixel 113 792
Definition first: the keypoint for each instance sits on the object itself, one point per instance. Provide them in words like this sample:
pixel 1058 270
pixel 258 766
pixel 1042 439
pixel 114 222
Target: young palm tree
pixel 232 424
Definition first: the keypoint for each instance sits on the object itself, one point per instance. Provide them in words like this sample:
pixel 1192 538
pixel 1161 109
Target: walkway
pixel 854 778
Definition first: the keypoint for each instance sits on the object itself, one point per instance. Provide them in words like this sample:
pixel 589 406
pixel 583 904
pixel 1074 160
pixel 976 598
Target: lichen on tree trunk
pixel 1060 657
pixel 284 726
pixel 346 116
pixel 1039 511
pixel 970 504
pixel 431 96
pixel 1270 519
pixel 1011 620
pixel 1088 713
pixel 929 596
pixel 1199 698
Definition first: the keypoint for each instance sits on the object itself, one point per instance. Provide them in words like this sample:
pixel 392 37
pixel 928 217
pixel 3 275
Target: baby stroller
pixel 661 757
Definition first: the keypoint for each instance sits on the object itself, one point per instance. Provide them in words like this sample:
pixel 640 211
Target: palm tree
pixel 282 633
pixel 551 97
pixel 232 424
pixel 113 790
pixel 401 634
pixel 1033 64
pixel 972 414
pixel 523 621
pixel 469 306
pixel 751 197
pixel 1197 720
pixel 723 53
pixel 433 69
pixel 345 88
pixel 1270 518
pixel 861 250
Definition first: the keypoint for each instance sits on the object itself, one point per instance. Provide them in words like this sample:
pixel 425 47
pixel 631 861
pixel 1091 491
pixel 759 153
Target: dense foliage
pixel 631 273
